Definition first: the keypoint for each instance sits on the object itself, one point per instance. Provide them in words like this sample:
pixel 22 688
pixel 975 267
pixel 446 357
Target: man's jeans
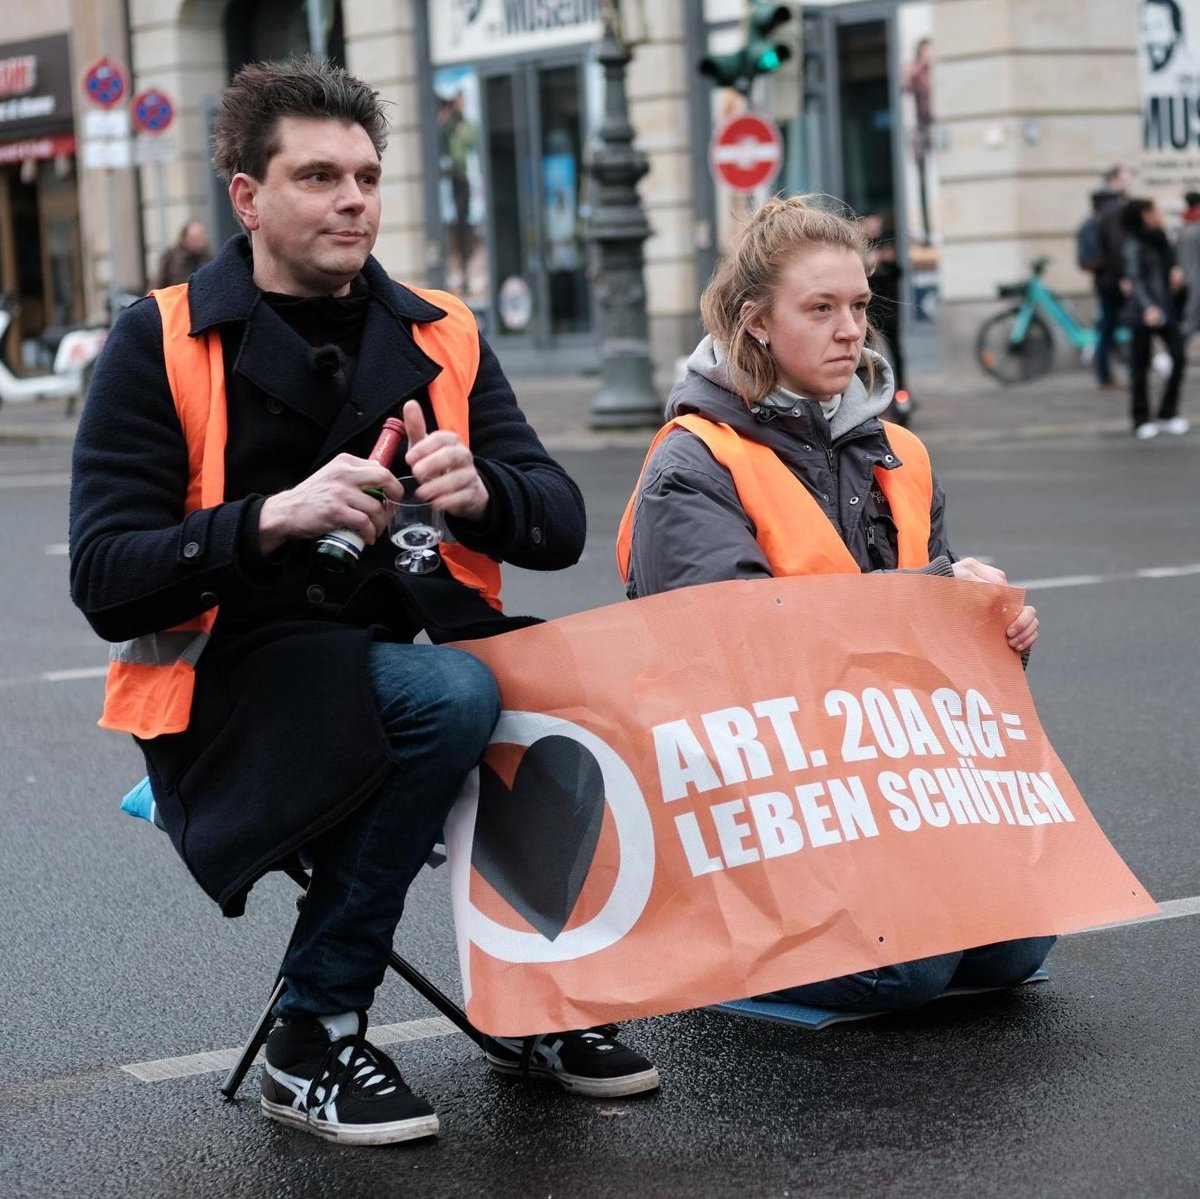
pixel 438 708
pixel 910 984
pixel 1107 319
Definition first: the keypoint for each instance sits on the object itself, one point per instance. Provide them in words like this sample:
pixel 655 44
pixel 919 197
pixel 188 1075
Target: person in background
pixel 883 314
pixel 773 440
pixel 1187 249
pixel 1108 270
pixel 918 83
pixel 189 253
pixel 282 707
pixel 1152 310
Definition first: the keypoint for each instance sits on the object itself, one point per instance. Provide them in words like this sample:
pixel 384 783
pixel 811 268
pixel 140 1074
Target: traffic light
pixel 765 54
pixel 728 70
pixel 761 55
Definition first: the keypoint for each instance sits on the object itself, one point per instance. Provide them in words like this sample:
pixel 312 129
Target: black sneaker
pixel 589 1062
pixel 344 1090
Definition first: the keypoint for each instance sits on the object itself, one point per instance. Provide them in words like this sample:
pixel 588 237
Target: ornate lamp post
pixel 617 228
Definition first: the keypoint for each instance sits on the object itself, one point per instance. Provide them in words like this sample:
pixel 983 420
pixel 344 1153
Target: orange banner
pixel 734 788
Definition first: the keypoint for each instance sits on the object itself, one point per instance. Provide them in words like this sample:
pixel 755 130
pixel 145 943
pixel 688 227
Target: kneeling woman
pixel 784 378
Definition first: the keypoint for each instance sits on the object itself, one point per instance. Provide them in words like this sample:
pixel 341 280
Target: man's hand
pixel 443 468
pixel 332 498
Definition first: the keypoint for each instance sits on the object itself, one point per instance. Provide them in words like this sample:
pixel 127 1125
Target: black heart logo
pixel 535 843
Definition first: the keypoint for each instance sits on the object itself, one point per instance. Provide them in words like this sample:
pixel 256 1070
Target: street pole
pixel 617 229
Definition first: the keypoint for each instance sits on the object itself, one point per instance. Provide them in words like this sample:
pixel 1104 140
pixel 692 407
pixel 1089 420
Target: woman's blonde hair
pixel 743 286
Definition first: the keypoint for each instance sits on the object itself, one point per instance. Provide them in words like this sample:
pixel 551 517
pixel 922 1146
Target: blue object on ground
pixel 816 1018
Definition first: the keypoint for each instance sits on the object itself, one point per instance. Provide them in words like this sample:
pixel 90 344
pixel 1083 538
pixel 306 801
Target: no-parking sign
pixel 151 111
pixel 105 83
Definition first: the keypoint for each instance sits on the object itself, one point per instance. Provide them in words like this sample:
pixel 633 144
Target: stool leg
pixel 254 1042
pixel 438 998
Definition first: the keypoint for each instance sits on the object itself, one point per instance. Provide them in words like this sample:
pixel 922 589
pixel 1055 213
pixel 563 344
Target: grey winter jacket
pixel 689 525
pixel 1149 259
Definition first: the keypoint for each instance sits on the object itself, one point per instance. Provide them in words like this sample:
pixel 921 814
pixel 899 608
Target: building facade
pixel 41 257
pixel 973 129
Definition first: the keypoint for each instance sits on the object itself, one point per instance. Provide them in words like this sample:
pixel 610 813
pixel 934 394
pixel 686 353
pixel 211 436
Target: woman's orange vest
pixel 151 678
pixel 796 536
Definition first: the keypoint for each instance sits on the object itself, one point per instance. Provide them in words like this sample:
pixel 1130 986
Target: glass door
pixel 534 129
pixel 565 248
pixel 513 241
pixel 865 111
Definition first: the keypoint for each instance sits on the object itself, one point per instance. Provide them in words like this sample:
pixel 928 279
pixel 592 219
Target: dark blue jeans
pixel 438 707
pixel 908 985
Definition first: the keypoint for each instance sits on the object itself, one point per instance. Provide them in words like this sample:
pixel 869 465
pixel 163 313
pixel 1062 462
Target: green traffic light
pixel 757 57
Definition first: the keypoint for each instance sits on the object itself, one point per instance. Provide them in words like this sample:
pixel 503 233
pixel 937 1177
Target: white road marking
pixel 56 551
pixel 1148 572
pixel 69 676
pixel 223 1059
pixel 1062 581
pixel 438 1026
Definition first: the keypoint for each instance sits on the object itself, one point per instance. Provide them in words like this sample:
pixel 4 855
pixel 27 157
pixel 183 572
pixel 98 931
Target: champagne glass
pixel 415 528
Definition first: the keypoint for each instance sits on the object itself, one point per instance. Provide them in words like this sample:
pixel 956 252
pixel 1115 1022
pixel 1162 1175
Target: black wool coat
pixel 284 739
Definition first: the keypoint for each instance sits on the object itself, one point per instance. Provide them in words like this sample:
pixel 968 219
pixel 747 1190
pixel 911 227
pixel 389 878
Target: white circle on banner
pixel 635 839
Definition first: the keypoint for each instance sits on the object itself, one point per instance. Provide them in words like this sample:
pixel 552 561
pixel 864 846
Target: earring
pixel 764 342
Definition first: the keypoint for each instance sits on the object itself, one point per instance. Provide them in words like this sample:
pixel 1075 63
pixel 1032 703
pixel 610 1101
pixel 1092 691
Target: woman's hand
pixel 1023 631
pixel 979 572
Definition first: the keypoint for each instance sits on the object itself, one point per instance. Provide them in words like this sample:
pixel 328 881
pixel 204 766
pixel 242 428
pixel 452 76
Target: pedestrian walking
pixel 281 705
pixel 774 462
pixel 1152 311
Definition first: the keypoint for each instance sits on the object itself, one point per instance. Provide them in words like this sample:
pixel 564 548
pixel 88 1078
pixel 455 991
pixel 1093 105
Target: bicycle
pixel 1017 345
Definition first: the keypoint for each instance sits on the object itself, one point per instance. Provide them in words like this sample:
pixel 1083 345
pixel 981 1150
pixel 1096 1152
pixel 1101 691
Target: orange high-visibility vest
pixel 151 678
pixel 796 536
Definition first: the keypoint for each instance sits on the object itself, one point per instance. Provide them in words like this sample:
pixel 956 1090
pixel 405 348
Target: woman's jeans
pixel 438 707
pixel 1139 369
pixel 910 984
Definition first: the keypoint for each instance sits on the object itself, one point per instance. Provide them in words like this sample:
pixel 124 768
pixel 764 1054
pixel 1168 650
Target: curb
pixel 613 439
pixel 35 434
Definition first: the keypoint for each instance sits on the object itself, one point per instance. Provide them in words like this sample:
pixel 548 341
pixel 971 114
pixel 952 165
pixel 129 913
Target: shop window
pixel 273 30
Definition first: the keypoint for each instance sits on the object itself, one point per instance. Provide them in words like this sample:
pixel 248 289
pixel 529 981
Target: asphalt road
pixel 1084 1086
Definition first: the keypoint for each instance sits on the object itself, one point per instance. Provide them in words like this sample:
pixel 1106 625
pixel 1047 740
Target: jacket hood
pixel 722 402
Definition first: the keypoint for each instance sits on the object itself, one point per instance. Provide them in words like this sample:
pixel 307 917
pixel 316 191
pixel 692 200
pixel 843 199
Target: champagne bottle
pixel 339 551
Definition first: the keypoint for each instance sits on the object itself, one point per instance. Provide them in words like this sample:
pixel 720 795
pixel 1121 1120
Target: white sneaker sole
pixel 354 1134
pixel 578 1084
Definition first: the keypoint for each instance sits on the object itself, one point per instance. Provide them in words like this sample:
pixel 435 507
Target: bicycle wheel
pixel 1012 362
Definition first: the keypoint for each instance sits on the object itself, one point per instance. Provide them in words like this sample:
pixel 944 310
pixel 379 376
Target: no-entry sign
pixel 746 152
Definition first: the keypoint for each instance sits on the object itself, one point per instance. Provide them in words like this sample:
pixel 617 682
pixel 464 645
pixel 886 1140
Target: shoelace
pixel 600 1037
pixel 366 1069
